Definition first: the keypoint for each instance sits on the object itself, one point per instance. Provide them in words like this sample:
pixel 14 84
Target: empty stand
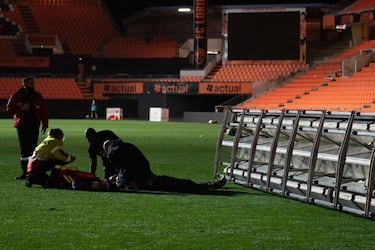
pixel 81 25
pixel 322 88
pixel 136 47
pixel 188 78
pixel 51 88
pixel 255 72
pixel 39 40
pixel 11 22
pixel 359 5
pixel 6 48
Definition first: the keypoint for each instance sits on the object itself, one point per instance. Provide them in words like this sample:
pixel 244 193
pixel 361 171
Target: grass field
pixel 235 218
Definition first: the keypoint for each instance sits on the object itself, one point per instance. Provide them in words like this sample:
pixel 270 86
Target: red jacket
pixel 38 108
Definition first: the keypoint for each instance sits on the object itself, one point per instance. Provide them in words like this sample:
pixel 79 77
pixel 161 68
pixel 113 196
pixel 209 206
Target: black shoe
pixel 219 183
pixel 28 181
pixel 21 177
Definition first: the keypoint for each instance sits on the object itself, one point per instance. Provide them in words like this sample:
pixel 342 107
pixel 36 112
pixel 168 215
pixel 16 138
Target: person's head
pixel 90 134
pixel 28 83
pixel 56 133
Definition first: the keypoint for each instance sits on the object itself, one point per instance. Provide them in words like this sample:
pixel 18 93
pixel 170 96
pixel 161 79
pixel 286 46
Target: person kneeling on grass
pixel 46 156
pixel 134 172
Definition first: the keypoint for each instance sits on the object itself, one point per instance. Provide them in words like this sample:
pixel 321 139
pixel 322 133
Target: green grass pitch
pixel 236 218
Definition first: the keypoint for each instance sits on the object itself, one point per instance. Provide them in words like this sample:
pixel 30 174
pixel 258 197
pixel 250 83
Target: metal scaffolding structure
pixel 320 157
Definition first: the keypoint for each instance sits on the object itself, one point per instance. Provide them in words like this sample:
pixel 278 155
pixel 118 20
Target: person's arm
pixel 60 154
pixel 43 115
pixel 94 163
pixel 68 157
pixel 15 105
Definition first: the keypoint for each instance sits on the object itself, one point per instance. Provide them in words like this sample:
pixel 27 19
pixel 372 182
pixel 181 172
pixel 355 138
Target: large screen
pixel 264 36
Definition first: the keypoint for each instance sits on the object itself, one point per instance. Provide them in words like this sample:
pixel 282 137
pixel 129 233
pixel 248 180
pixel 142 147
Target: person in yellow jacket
pixel 46 156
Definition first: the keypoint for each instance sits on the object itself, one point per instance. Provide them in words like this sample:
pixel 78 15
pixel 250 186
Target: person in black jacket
pixel 133 171
pixel 29 110
pixel 96 140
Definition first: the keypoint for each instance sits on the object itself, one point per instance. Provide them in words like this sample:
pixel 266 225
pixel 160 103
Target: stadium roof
pixel 127 8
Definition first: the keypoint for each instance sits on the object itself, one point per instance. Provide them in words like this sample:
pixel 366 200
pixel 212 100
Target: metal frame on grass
pixel 325 158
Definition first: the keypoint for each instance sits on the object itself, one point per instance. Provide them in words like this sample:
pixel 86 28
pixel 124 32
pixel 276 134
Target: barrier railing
pixel 320 157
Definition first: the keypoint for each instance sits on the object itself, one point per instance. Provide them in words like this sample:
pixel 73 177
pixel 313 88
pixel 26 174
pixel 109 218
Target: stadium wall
pixel 135 107
pixel 68 65
pixel 179 104
pixel 80 109
pixel 213 117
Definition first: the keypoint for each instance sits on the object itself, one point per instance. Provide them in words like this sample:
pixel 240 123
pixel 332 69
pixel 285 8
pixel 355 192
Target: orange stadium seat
pixel 72 20
pixel 13 15
pixel 6 48
pixel 309 92
pixel 256 72
pixel 359 5
pixel 51 88
pixel 140 48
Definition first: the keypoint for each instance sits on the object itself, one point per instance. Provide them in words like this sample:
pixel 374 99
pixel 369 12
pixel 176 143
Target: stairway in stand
pixel 19 46
pixel 85 89
pixel 28 19
pixel 30 26
pixel 213 72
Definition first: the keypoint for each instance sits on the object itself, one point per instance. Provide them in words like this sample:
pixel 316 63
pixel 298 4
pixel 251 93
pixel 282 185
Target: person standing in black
pixel 96 140
pixel 29 111
pixel 133 172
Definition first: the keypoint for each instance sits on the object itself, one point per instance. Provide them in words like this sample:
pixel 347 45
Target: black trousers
pixel 28 140
pixel 107 169
pixel 172 184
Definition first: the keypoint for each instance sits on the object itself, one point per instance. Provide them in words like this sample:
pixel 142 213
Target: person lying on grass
pixel 134 172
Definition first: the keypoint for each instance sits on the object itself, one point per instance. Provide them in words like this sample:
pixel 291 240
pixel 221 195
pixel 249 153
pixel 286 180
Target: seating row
pixel 51 88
